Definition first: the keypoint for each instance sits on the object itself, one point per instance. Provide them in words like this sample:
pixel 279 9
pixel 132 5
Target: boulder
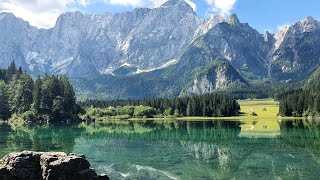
pixel 47 166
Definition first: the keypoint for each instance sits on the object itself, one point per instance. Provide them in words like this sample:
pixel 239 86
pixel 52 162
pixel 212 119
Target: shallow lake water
pixel 287 149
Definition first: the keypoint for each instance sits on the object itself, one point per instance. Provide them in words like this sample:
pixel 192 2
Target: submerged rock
pixel 47 165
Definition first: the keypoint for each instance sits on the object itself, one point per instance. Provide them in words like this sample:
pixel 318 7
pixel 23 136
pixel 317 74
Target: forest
pixel 53 99
pixel 47 98
pixel 207 105
pixel 303 102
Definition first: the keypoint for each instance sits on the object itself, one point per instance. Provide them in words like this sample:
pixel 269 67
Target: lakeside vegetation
pixel 304 102
pixel 52 98
pixel 48 98
pixel 207 105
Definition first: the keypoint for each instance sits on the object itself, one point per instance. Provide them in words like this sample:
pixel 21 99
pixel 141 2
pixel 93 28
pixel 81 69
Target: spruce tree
pixel 4 108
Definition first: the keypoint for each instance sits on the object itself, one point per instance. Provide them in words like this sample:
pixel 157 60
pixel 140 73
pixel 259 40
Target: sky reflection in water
pixel 219 149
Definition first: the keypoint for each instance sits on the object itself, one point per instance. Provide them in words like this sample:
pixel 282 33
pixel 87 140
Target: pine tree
pixel 11 71
pixel 69 101
pixel 25 93
pixel 4 108
pixel 189 109
pixel 37 95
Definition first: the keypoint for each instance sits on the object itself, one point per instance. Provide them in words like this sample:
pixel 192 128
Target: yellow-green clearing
pixel 264 108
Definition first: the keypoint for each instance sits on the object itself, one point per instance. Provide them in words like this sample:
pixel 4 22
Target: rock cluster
pixel 48 166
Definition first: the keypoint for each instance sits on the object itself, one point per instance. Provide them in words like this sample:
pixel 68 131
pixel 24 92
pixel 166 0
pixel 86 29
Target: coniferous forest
pixel 47 98
pixel 302 102
pixel 207 105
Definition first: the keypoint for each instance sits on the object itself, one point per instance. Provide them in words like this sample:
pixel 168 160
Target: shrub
pixel 254 114
pixel 29 115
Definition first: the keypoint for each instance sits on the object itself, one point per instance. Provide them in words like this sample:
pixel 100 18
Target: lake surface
pixel 181 150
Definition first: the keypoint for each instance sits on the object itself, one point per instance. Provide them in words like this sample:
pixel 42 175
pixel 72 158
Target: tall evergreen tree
pixel 12 69
pixel 4 107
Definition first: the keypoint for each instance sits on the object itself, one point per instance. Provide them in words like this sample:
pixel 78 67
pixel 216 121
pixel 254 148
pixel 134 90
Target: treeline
pixel 300 103
pixel 47 98
pixel 303 102
pixel 208 105
pixel 262 90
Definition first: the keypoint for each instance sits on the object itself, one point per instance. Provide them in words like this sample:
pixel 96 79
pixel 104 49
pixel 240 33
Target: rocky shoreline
pixel 47 166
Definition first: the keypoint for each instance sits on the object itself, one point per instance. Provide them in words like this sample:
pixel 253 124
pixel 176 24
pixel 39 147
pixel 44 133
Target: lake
pixel 217 149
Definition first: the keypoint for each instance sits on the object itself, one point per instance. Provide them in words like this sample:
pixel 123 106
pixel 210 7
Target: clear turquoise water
pixel 179 150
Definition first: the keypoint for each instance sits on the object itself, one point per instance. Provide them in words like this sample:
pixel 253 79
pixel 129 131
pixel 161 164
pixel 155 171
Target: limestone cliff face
pixel 219 75
pixel 296 53
pixel 84 44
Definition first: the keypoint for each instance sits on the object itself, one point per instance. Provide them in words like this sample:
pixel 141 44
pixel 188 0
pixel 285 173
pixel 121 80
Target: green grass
pixel 264 108
pixel 265 123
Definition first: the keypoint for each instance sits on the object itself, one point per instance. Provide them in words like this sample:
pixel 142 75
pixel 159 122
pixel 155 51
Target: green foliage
pixel 4 107
pixel 30 115
pixel 120 112
pixel 176 113
pixel 211 105
pixel 50 97
pixel 303 102
pixel 143 111
pixel 168 112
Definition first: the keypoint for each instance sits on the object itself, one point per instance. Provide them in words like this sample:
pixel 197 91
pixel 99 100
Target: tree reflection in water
pixel 180 149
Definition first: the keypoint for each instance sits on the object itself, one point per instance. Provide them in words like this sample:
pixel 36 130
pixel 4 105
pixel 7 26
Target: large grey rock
pixel 51 165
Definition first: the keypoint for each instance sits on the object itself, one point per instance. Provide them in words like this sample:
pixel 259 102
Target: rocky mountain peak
pixel 69 16
pixel 309 19
pixel 268 37
pixel 172 3
pixel 208 24
pixel 11 18
pixel 182 4
pixel 6 15
pixel 233 20
pixel 308 24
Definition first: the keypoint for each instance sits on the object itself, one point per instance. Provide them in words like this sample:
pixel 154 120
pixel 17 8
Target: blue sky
pixel 260 14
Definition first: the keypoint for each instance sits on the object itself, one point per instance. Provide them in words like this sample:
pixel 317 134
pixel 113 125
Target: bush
pixel 29 115
pixel 168 112
pixel 296 114
pixel 144 111
pixel 176 113
pixel 254 114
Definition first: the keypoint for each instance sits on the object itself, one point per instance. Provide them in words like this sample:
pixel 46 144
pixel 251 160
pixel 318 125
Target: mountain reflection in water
pixel 144 149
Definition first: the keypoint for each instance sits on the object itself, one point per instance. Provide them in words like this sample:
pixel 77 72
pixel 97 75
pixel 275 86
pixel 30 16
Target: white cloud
pixel 40 13
pixel 222 6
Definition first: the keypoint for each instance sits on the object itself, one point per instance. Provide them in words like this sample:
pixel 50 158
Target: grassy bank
pixel 263 108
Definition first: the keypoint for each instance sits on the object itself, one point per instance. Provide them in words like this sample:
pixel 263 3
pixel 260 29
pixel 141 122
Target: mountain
pixel 244 47
pixel 167 51
pixel 313 82
pixel 218 75
pixel 85 45
pixel 296 52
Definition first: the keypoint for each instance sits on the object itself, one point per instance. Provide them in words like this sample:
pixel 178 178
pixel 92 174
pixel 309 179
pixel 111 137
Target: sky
pixel 263 15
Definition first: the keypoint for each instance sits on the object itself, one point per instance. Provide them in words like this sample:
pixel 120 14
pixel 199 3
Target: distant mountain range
pixel 166 51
